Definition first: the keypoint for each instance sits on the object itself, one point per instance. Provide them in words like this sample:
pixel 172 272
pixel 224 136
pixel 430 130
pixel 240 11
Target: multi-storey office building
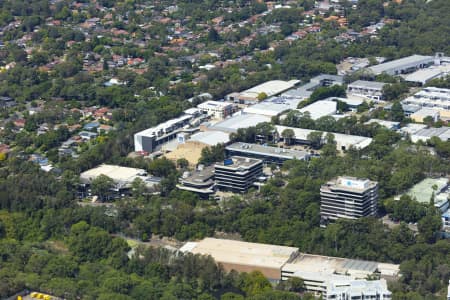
pixel 348 197
pixel 237 173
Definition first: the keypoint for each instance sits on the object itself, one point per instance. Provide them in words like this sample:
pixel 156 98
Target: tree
pixel 288 134
pixel 430 226
pixel 213 35
pixel 315 138
pixel 262 96
pixel 101 186
pixel 397 112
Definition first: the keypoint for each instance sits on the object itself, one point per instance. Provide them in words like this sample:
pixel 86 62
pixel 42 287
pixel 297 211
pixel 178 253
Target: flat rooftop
pixel 352 183
pixel 117 173
pixel 234 162
pixel 273 106
pixel 201 175
pixel 399 63
pixel 327 265
pixel 359 142
pixel 270 88
pixel 267 150
pixel 242 253
pixel 367 84
pixel 240 121
pixel 423 190
pixel 320 109
pixel 211 138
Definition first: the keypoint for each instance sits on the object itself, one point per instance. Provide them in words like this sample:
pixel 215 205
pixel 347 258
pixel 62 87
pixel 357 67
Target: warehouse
pixel 425 134
pixel 243 256
pixel 240 121
pixel 320 273
pixel 273 106
pixel 343 141
pixel 268 89
pixel 319 109
pixel 123 178
pixel 266 153
pixel 403 65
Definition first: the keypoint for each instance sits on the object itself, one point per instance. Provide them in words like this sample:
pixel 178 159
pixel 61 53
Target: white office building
pixel 366 89
pixel 358 290
pixel 349 198
pixel 217 109
pixel 432 98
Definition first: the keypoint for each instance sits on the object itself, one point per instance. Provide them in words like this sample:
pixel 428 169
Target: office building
pixel 266 153
pixel 217 109
pixel 238 173
pixel 348 197
pixel 149 139
pixel 367 89
pixel 403 65
pixel 123 178
pixel 358 289
pixel 200 181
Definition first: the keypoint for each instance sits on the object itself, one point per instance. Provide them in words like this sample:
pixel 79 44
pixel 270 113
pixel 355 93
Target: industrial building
pixel 422 192
pixel 323 80
pixel 432 98
pixel 391 125
pixel 266 153
pixel 237 173
pixel 349 198
pixel 425 112
pixel 443 133
pixel 273 106
pixel 123 178
pixel 343 141
pixel 367 89
pixel 149 139
pixel 217 109
pixel 319 109
pixel 403 65
pixel 322 275
pixel 269 89
pixel 200 181
pixel 422 76
pixel 239 121
pixel 243 256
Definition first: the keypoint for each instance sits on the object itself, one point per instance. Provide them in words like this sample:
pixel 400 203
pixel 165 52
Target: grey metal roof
pixel 363 265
